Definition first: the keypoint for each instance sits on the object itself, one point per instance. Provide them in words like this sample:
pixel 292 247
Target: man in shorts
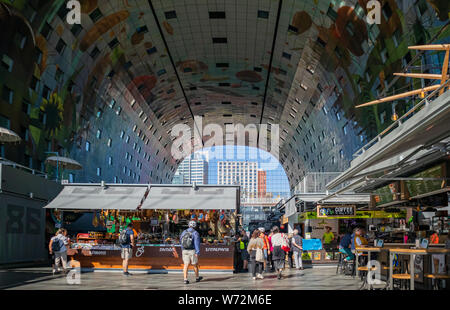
pixel 127 249
pixel 190 244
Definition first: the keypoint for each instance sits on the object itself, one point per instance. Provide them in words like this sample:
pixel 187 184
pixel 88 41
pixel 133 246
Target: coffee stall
pixel 159 213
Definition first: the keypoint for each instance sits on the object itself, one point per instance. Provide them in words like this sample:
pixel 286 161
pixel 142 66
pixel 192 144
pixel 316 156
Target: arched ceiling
pixel 301 64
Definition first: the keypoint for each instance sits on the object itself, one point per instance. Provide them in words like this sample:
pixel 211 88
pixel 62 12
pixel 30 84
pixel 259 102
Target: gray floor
pixel 320 278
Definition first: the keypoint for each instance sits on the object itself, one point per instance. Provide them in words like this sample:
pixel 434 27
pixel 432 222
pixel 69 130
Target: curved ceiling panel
pixel 109 91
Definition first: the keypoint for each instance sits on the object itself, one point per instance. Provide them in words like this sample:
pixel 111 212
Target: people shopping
pixel 255 249
pixel 297 250
pixel 278 255
pixel 190 244
pixel 58 248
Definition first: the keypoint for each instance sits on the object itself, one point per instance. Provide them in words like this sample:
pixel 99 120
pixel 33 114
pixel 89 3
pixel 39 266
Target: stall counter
pixel 154 258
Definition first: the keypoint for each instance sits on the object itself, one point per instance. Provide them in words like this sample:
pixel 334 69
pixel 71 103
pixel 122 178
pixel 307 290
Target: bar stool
pixel 403 276
pixel 340 264
pixel 364 271
pixel 437 277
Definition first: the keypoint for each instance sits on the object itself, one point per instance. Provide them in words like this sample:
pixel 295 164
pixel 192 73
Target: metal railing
pixel 394 125
pixel 7 162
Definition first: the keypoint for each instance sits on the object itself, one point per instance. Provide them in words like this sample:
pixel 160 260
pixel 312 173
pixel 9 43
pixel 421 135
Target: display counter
pixel 314 253
pixel 153 258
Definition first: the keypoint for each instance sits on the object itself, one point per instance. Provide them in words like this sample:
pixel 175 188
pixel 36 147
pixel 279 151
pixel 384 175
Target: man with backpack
pixel 190 244
pixel 58 250
pixel 126 240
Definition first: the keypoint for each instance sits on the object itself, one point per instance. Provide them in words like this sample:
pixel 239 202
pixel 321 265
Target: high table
pixel 412 256
pixel 367 249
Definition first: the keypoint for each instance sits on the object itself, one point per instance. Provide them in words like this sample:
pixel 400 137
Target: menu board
pixel 386 194
pixel 416 188
pixel 336 211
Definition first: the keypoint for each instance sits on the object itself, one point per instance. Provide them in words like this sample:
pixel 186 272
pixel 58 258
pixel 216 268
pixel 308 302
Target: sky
pixel 277 181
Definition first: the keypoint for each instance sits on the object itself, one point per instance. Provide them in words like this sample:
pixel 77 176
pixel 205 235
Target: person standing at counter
pixel 243 242
pixel 328 236
pixel 126 239
pixel 434 238
pixel 190 244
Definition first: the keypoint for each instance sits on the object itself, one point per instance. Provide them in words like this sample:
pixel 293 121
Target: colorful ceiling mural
pixel 108 92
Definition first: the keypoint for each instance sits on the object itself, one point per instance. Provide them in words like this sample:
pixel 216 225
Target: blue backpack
pixel 56 245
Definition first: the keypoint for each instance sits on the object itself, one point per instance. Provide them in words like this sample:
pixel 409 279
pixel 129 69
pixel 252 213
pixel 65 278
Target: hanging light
pixel 422 94
pixel 394 116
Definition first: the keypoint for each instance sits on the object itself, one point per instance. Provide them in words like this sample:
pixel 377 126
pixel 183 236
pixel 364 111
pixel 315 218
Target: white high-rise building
pixel 193 169
pixel 241 173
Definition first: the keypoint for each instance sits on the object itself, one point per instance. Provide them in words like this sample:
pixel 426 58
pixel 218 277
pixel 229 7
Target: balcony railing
pixel 7 162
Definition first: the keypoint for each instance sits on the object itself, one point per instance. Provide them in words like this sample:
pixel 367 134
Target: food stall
pixel 339 217
pixel 159 213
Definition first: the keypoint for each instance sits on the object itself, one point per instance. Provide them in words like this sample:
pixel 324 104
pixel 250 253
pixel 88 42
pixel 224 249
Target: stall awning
pixel 96 197
pixel 202 197
pixel 342 198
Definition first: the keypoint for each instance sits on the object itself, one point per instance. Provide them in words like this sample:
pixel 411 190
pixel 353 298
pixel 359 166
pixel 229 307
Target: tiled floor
pixel 320 278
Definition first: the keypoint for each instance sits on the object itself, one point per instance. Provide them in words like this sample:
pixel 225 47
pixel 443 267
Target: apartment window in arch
pixel 8 94
pixel 110 160
pixel 88 146
pixel 99 171
pixel 7 63
pixel 71 178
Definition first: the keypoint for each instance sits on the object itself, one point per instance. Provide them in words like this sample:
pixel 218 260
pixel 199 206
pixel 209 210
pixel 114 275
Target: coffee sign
pixel 335 211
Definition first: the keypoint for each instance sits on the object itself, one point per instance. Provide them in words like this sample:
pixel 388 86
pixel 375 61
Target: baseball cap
pixel 261 229
pixel 192 224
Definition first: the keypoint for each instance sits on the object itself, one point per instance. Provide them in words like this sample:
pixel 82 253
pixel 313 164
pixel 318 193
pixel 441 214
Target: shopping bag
pixel 259 255
pixel 285 243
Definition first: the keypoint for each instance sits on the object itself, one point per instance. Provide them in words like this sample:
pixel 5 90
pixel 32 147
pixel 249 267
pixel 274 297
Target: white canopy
pixel 96 197
pixel 186 197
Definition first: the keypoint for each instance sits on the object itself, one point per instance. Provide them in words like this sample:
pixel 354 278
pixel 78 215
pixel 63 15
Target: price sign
pixel 336 211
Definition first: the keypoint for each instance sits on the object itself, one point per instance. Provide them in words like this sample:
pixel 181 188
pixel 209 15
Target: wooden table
pixel 412 256
pixel 367 249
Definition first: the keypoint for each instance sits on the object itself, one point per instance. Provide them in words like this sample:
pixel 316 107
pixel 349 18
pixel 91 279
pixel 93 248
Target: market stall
pixel 159 213
pixel 338 218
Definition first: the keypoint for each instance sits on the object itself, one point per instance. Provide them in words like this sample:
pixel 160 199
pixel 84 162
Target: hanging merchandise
pixel 95 220
pixel 201 217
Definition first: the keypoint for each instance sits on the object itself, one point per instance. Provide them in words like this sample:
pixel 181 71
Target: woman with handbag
pixel 255 249
pixel 280 247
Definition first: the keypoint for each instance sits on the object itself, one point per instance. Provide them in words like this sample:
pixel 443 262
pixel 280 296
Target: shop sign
pixel 359 214
pixel 336 211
